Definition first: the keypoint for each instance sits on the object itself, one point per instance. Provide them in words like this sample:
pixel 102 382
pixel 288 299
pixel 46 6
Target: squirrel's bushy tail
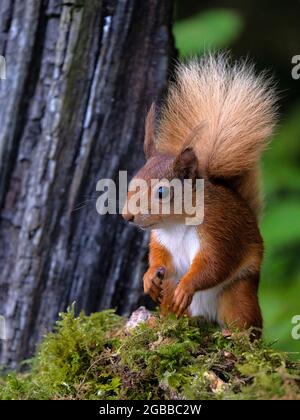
pixel 227 113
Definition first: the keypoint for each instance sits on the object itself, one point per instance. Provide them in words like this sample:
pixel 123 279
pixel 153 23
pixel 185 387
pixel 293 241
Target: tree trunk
pixel 80 77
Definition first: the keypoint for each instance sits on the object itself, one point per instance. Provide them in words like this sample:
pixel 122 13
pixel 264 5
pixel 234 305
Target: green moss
pixel 94 357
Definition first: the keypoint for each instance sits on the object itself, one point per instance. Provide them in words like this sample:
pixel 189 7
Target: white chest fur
pixel 183 243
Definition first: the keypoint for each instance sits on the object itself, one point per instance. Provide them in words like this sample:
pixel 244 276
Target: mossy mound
pixel 96 357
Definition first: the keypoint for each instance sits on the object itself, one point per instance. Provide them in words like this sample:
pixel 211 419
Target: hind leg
pixel 238 304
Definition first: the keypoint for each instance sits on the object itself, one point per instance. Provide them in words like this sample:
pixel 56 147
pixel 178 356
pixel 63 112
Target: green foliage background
pixel 280 285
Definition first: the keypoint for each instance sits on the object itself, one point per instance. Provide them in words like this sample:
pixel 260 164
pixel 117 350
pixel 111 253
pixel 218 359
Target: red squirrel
pixel 214 125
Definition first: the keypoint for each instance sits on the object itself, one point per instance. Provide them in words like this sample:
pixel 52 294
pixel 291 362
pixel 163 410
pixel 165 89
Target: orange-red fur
pixel 232 250
pixel 214 125
pixel 234 111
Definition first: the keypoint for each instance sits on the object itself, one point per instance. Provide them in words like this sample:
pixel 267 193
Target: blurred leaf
pixel 280 286
pixel 279 305
pixel 213 29
pixel 282 160
pixel 281 224
pixel 285 145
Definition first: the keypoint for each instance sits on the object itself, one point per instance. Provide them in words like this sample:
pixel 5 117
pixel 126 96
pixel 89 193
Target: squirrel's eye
pixel 163 192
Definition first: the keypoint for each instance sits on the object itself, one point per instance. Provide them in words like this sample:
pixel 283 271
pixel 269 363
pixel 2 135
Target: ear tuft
pixel 149 142
pixel 186 164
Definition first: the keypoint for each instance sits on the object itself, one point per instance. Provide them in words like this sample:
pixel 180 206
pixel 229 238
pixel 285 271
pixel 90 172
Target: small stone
pixel 226 333
pixel 137 317
pixel 228 355
pixel 215 383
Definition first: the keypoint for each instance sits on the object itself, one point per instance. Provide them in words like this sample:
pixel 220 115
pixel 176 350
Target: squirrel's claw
pixel 152 283
pixel 182 300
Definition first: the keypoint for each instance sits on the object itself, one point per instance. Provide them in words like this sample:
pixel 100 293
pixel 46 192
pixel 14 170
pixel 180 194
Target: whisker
pixel 82 204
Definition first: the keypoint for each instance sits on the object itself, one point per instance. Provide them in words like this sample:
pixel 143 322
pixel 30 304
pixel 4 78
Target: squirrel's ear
pixel 149 142
pixel 186 164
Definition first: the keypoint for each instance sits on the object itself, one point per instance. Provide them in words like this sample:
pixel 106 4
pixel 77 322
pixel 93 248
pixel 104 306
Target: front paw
pixel 153 282
pixel 183 296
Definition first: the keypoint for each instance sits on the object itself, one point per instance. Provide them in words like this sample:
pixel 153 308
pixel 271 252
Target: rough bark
pixel 80 77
